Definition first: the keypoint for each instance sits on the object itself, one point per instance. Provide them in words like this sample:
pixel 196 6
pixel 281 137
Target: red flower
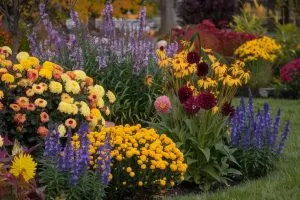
pixel 227 109
pixel 193 57
pixel 206 100
pixel 202 69
pixel 289 71
pixel 184 93
pixel 191 106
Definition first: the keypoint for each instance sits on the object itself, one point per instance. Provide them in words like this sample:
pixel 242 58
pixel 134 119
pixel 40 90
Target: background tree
pixel 167 16
pixel 15 11
pixel 194 11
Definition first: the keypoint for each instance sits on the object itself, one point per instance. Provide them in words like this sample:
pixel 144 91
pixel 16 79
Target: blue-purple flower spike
pixel 284 137
pixel 256 132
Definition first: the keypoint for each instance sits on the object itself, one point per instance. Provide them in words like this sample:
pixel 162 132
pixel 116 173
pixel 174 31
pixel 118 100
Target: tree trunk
pixel 167 16
pixel 15 29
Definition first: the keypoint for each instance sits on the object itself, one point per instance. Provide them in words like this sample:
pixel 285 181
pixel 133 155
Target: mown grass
pixel 281 184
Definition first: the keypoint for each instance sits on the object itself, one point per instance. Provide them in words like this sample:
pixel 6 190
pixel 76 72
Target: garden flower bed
pixel 109 114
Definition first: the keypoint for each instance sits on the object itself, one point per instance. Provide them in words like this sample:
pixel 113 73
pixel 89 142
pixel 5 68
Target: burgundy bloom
pixel 290 71
pixel 193 57
pixel 227 109
pixel 191 105
pixel 202 69
pixel 184 93
pixel 206 100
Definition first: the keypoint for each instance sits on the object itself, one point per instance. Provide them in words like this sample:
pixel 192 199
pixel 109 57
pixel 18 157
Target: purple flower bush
pixel 257 138
pixel 66 166
pixel 121 58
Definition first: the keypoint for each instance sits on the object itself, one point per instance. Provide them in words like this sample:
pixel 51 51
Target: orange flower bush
pixel 34 95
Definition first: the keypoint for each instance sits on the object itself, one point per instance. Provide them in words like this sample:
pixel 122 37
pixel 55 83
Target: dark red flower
pixel 206 100
pixel 193 57
pixel 202 69
pixel 191 105
pixel 184 93
pixel 290 71
pixel 227 109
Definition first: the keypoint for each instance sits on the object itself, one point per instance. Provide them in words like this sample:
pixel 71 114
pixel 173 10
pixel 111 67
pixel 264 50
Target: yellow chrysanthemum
pixel 46 73
pixel 1 94
pixel 23 165
pixel 111 97
pixel 84 109
pixel 66 98
pixel 62 130
pixel 79 75
pixel 22 55
pixel 72 87
pixel 67 108
pixel 55 87
pixel 18 67
pixel 95 113
pixel 7 48
pixel 7 78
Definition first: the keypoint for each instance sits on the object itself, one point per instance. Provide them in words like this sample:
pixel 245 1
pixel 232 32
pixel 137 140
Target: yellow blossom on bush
pixel 111 97
pixel 7 78
pixel 48 92
pixel 22 55
pixel 23 165
pixel 79 75
pixel 67 108
pixel 72 87
pixel 138 152
pixel 55 87
pixel 264 48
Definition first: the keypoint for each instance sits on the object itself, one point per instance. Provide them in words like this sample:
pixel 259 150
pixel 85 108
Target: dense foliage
pixel 199 91
pixel 194 11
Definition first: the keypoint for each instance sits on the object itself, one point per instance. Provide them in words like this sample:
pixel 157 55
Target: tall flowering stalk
pixel 104 161
pixel 74 159
pixel 248 131
pixel 53 34
pixel 107 21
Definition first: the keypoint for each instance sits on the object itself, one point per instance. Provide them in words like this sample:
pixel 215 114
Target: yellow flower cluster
pixel 207 74
pixel 179 65
pixel 140 156
pixel 264 48
pixel 48 91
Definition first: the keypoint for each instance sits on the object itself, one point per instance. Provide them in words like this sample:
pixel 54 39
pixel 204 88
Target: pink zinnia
pixel 163 104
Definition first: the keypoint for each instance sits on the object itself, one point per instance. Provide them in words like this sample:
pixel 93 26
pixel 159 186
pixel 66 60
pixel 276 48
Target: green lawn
pixel 284 182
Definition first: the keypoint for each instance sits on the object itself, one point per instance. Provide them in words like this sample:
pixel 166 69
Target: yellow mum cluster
pixel 140 156
pixel 264 48
pixel 46 91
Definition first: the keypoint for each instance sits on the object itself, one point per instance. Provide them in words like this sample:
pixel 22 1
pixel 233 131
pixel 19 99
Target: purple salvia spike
pixel 275 130
pixel 142 21
pixel 285 134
